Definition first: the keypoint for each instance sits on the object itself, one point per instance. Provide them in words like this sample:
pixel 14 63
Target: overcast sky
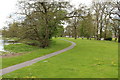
pixel 9 6
pixel 6 7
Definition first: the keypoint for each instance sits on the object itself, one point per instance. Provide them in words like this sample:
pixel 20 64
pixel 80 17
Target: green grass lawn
pixel 89 59
pixel 34 52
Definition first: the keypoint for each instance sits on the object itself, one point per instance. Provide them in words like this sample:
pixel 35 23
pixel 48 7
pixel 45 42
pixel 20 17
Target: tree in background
pixel 74 22
pixel 116 12
pixel 87 27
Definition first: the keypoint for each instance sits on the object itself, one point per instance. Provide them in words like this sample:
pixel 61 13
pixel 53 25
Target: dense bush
pixel 33 43
pixel 30 42
pixel 108 39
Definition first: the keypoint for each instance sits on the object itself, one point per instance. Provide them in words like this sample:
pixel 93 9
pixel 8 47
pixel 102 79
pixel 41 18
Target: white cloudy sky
pixel 8 6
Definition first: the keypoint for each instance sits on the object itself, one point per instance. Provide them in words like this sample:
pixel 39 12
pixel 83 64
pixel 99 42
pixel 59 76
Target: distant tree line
pixel 44 20
pixel 99 22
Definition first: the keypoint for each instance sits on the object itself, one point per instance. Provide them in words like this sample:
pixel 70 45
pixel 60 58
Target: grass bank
pixel 35 52
pixel 20 48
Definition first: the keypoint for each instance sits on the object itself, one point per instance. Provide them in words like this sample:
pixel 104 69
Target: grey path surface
pixel 27 63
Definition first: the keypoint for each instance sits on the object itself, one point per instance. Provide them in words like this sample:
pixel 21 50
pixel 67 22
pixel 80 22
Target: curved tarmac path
pixel 27 63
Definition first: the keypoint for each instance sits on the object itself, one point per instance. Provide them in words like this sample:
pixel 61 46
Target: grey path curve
pixel 27 63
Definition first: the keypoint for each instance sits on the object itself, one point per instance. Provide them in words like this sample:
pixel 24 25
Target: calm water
pixel 1 44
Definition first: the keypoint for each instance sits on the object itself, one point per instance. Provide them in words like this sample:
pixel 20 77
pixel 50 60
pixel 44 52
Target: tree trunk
pixel 119 35
pixel 106 26
pixel 101 27
pixel 75 29
pixel 75 33
pixel 97 38
pixel 44 43
pixel 100 33
pixel 115 36
pixel 105 32
pixel 115 39
pixel 46 36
